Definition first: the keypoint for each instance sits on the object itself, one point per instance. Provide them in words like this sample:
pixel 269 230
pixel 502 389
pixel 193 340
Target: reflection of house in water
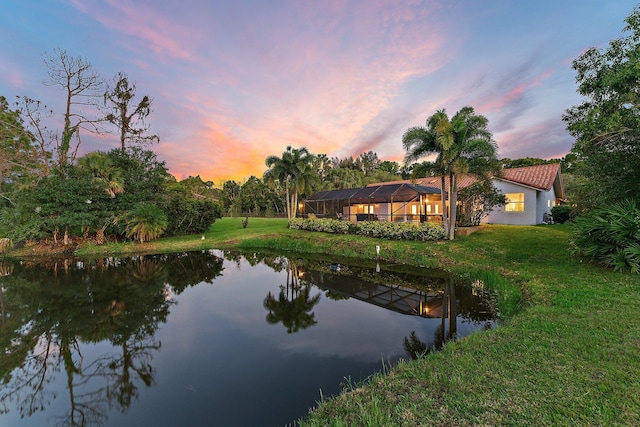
pixel 442 298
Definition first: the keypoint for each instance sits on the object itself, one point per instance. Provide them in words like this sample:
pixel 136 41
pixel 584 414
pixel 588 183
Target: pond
pixel 211 337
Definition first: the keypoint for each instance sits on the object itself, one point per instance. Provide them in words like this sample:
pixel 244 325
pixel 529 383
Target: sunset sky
pixel 233 82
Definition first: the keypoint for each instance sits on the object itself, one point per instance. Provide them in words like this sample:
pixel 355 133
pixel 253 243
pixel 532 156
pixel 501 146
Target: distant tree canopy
pixel 526 161
pixel 606 124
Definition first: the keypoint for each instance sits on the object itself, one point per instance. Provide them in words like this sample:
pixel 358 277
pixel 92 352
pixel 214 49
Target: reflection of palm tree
pixel 293 304
pixel 293 314
pixel 451 309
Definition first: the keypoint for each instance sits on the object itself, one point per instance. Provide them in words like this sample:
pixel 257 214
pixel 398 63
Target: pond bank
pixel 568 358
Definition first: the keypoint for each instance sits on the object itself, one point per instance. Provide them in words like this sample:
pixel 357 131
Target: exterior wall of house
pixel 528 216
pixel 546 200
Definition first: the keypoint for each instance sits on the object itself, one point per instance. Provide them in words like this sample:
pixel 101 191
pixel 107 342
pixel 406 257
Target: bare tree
pixel 83 88
pixel 34 114
pixel 125 114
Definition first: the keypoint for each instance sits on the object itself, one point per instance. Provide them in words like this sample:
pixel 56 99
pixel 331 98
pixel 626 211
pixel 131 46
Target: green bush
pixel 561 213
pixel 190 216
pixel 380 229
pixel 146 222
pixel 323 224
pixel 610 236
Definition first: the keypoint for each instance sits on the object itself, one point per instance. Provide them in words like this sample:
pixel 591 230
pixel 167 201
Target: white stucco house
pixel 531 193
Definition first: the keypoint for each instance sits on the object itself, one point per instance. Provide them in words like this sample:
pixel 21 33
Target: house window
pixel 515 202
pixel 414 209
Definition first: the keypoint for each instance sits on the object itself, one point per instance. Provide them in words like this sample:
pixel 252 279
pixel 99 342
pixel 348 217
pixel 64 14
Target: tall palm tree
pixel 294 171
pixel 424 141
pixel 462 145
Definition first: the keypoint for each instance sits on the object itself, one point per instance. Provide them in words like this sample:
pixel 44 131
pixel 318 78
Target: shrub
pixel 190 216
pixel 379 229
pixel 146 222
pixel 610 236
pixel 323 224
pixel 561 213
pixel 478 200
pixel 400 230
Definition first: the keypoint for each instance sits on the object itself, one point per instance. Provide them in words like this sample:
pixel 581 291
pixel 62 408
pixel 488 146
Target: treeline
pixel 305 173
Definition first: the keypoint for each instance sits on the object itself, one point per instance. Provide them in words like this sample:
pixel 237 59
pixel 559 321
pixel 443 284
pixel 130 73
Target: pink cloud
pixel 516 92
pixel 323 85
pixel 545 139
pixel 12 76
pixel 154 30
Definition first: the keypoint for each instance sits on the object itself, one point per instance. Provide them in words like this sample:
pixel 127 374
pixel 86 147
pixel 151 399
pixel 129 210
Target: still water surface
pixel 212 338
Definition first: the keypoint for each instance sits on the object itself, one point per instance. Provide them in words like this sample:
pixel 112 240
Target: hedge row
pixel 381 229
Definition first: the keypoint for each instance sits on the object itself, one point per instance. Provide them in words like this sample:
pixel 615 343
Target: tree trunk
pixel 443 194
pixel 453 199
pixel 100 236
pixel 294 204
pixel 286 190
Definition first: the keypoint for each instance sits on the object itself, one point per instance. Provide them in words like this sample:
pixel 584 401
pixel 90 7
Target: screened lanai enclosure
pixel 389 202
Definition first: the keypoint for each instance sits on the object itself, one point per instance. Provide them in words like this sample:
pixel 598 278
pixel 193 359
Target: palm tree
pixel 146 222
pixel 462 145
pixel 104 173
pixel 294 171
pixel 434 138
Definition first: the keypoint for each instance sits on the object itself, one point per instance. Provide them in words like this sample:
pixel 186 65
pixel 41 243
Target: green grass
pixel 570 357
pixel 568 353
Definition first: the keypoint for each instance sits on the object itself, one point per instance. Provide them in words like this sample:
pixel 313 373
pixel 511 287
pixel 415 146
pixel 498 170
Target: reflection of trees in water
pixel 51 309
pixel 276 262
pixel 293 306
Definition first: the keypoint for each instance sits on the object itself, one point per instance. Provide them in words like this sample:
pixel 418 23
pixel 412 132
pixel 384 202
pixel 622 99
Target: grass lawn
pixel 569 356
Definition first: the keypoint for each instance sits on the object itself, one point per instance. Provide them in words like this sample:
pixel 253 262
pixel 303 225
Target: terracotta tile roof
pixel 463 182
pixel 541 177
